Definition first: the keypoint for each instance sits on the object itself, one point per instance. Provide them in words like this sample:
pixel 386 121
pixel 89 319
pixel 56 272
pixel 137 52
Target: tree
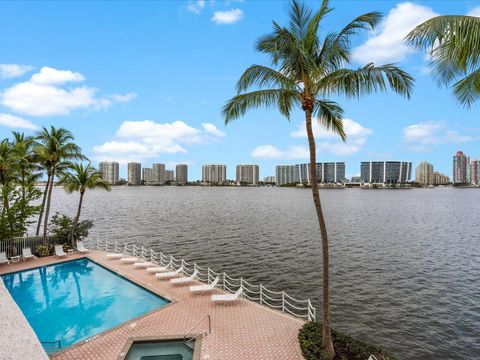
pixel 81 178
pixel 305 71
pixel 56 148
pixel 453 43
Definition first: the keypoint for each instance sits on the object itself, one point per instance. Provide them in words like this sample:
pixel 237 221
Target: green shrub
pixel 44 250
pixel 60 228
pixel 346 347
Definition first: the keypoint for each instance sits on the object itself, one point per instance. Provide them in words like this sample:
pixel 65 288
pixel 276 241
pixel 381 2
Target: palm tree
pixel 25 160
pixel 80 179
pixel 305 71
pixel 453 43
pixel 56 148
pixel 6 170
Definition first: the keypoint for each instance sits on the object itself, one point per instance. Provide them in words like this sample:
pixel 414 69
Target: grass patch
pixel 346 347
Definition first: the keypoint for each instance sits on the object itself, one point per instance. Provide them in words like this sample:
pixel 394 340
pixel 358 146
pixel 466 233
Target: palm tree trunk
pixel 40 216
pixel 77 218
pixel 47 208
pixel 327 344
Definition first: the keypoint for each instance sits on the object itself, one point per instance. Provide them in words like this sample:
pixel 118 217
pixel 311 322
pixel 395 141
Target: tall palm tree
pixel 453 43
pixel 25 160
pixel 6 170
pixel 81 178
pixel 306 70
pixel 55 147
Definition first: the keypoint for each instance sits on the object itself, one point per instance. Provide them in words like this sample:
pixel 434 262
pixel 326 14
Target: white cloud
pixel 123 98
pixel 140 140
pixel 228 16
pixel 46 100
pixel 51 76
pixel 474 12
pixel 422 135
pixel 387 43
pixel 16 122
pixel 44 95
pixel 270 152
pixel 212 129
pixel 196 6
pixel 8 71
pixel 328 141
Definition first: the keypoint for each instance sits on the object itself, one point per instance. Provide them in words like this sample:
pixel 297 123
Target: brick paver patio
pixel 240 331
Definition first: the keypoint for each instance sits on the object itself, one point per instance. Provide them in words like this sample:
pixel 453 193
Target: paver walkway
pixel 240 331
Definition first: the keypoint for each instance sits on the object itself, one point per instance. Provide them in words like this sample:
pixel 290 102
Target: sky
pixel 146 81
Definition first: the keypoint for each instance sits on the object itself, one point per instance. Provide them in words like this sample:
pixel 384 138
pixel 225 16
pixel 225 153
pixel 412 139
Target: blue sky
pixel 145 81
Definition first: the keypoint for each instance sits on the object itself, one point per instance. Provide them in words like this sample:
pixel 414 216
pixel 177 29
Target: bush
pixel 44 250
pixel 61 225
pixel 346 347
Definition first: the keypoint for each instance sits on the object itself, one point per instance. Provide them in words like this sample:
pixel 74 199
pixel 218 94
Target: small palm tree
pixel 56 148
pixel 453 43
pixel 81 178
pixel 307 70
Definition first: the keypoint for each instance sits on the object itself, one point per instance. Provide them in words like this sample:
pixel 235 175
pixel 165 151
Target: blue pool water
pixel 77 299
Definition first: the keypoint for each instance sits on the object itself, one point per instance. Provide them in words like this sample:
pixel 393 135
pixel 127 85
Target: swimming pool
pixel 75 300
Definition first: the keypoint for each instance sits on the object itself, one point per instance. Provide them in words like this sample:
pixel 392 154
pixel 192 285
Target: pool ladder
pixel 191 338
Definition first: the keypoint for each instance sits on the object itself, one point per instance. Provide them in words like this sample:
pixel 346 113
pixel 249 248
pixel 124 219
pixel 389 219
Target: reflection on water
pixel 75 300
pixel 405 264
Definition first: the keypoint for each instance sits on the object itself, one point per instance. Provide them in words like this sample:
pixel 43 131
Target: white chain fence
pixel 278 300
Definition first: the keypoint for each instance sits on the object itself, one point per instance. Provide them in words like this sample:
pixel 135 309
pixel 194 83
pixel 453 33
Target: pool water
pixel 165 350
pixel 75 300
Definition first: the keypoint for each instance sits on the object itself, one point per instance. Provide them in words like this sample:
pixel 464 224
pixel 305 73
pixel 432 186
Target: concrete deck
pixel 240 331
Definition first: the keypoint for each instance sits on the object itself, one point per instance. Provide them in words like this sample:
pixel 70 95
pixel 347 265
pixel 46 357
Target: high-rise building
pixel 158 174
pixel 147 175
pixel 461 168
pixel 169 175
pixel 181 174
pixel 424 174
pixel 440 179
pixel 214 173
pixel 286 174
pixel 269 180
pixel 329 172
pixel 109 171
pixel 248 174
pixel 475 172
pixel 134 173
pixel 385 172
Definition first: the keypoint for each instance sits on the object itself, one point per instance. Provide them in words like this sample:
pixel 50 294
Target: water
pixel 75 300
pixel 405 264
pixel 168 350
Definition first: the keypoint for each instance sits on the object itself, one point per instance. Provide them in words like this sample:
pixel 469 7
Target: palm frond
pixel 239 104
pixel 467 90
pixel 367 80
pixel 330 117
pixel 263 76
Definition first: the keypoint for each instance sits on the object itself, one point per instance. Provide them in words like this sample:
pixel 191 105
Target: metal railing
pixel 278 300
pixel 195 326
pixel 14 247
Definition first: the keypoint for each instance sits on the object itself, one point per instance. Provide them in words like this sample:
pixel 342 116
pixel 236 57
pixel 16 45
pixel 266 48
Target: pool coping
pixel 164 338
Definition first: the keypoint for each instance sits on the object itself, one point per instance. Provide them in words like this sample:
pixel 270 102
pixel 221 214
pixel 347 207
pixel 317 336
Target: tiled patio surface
pixel 240 331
